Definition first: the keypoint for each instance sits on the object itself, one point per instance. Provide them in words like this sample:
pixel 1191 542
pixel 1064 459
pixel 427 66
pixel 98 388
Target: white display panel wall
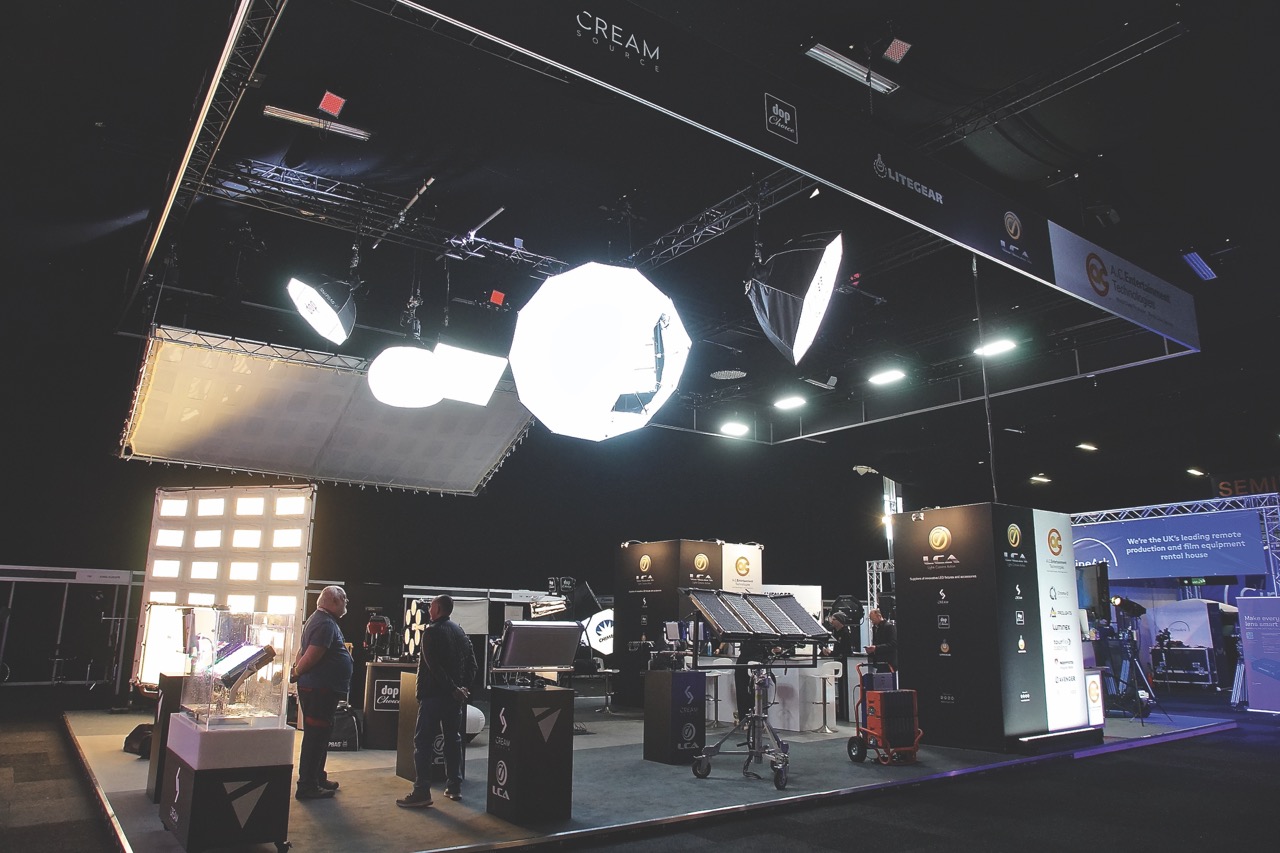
pixel 247 548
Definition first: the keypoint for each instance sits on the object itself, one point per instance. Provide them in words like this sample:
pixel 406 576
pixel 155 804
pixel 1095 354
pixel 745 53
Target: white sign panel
pixel 1108 281
pixel 1064 686
pixel 742 567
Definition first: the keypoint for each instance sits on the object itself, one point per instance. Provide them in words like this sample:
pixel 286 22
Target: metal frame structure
pixel 1268 507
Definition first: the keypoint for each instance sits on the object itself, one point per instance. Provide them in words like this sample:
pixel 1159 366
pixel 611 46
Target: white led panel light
pixel 246 556
pixel 213 401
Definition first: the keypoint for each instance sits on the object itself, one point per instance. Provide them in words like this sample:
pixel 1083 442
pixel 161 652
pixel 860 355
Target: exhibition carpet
pixel 616 793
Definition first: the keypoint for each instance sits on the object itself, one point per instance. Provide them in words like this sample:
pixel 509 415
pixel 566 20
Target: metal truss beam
pixel 722 217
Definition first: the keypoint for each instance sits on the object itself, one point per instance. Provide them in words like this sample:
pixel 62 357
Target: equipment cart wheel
pixel 702 767
pixel 282 846
pixel 857 749
pixel 780 776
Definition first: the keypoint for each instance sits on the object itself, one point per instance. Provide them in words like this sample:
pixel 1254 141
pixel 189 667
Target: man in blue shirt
pixel 323 673
pixel 445 672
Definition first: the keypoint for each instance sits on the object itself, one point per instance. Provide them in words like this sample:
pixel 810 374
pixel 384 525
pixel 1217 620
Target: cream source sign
pixel 618 39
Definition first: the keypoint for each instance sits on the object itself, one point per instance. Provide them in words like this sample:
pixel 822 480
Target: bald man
pixel 323 673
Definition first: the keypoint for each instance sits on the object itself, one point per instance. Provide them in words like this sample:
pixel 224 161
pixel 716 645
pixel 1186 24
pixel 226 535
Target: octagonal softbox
pixel 597 351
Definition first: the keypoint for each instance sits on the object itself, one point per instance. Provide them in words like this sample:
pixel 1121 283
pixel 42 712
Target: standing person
pixel 884 640
pixel 323 673
pixel 446 668
pixel 840 651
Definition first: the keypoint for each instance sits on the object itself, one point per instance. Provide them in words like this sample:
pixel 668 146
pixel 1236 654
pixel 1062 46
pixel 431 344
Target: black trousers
pixel 317 705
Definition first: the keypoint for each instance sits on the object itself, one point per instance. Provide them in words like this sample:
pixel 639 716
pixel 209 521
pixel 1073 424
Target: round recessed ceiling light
pixel 730 373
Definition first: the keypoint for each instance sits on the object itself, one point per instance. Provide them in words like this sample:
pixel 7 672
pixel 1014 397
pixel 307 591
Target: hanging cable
pixel 986 390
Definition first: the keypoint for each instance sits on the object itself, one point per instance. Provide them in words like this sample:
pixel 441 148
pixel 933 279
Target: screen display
pixel 538 645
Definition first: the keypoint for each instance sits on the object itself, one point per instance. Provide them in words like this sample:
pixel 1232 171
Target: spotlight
pixel 835 59
pixel 791 291
pixel 735 428
pixel 896 50
pixel 996 347
pixel 330 308
pixel 1127 606
pixel 886 376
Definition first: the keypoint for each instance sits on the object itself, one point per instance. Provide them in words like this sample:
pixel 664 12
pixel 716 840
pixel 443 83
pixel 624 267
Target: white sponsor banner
pixel 1101 278
pixel 742 567
pixel 1064 687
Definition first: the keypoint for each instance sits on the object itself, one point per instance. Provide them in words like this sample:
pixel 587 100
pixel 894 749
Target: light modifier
pixel 1040 478
pixel 791 291
pixel 1084 445
pixel 995 347
pixel 736 429
pixel 597 351
pixel 1196 472
pixel 856 70
pixel 884 377
pixel 406 377
pixel 466 376
pixel 329 308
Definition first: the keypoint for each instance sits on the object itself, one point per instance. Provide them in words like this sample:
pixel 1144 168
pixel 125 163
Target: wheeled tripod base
pixel 762 738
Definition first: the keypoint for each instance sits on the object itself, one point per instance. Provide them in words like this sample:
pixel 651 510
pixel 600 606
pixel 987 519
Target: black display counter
pixel 382 703
pixel 530 753
pixel 675 715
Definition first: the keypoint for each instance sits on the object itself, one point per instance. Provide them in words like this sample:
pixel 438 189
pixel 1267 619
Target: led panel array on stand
pixel 246 549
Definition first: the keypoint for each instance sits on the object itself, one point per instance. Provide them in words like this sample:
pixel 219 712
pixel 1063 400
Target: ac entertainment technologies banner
pixel 743 567
pixel 1260 635
pixel 656 63
pixel 1091 273
pixel 1173 546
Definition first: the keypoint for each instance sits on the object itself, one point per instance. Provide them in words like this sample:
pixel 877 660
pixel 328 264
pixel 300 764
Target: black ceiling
pixel 1143 126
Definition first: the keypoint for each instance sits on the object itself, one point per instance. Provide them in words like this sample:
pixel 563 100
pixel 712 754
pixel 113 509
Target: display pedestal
pixel 382 703
pixel 408 724
pixel 675 715
pixel 531 754
pixel 227 786
pixel 168 702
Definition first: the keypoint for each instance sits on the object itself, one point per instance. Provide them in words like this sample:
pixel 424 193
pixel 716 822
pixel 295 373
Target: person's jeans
pixel 317 705
pixel 438 717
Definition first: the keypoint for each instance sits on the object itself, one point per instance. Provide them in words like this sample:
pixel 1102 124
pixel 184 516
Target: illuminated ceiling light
pixel 735 428
pixel 995 347
pixel 1199 266
pixel 791 291
pixel 896 50
pixel 597 351
pixel 467 376
pixel 728 373
pixel 1196 472
pixel 406 376
pixel 1084 445
pixel 792 402
pixel 330 308
pixel 846 66
pixel 1040 478
pixel 332 104
pixel 884 377
pixel 319 123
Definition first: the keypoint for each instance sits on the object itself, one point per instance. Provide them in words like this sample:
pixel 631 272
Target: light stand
pixel 762 737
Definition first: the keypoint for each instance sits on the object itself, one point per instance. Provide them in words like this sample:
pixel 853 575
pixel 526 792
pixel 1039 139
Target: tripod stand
pixel 1128 688
pixel 762 737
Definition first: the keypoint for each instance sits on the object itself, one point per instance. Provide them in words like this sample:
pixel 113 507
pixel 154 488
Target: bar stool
pixel 714 676
pixel 827 673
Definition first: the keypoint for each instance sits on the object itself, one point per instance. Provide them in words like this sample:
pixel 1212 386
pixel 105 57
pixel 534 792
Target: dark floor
pixel 1179 795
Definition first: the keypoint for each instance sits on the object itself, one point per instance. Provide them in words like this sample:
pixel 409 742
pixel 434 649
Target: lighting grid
pixel 244 548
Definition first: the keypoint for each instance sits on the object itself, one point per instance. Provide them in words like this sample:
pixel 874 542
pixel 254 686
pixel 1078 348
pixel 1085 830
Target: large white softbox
pixel 597 351
pixel 790 293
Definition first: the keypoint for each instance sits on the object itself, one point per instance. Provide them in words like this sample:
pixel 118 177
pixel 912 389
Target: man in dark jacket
pixel 884 640
pixel 445 669
pixel 323 673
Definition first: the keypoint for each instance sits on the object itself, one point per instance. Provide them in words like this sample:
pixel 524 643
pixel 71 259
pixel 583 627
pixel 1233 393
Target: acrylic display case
pixel 240 675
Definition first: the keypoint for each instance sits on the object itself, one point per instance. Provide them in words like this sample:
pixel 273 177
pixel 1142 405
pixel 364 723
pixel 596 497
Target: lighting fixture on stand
pixel 597 351
pixel 790 291
pixel 330 307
